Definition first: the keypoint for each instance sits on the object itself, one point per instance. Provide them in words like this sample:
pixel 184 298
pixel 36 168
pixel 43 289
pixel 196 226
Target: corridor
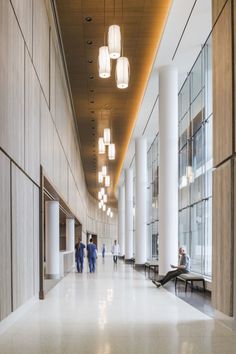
pixel 114 311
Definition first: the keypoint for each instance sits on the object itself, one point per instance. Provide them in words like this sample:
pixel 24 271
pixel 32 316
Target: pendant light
pixel 104 171
pixel 102 191
pixel 122 65
pixel 100 177
pixel 104 62
pixel 111 214
pixel 105 198
pixel 100 205
pixel 107 181
pixel 114 41
pixel 108 211
pixel 104 207
pixel 107 136
pixel 99 195
pixel 111 152
pixel 114 38
pixel 122 72
pixel 101 146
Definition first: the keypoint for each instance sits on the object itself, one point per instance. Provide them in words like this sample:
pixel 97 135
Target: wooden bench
pixel 153 265
pixel 190 278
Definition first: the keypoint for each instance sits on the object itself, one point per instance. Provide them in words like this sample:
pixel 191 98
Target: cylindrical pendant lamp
pixel 104 63
pixel 111 152
pixel 107 136
pixel 104 207
pixel 100 177
pixel 122 72
pixel 101 146
pixel 105 198
pixel 99 195
pixel 104 171
pixel 114 41
pixel 107 181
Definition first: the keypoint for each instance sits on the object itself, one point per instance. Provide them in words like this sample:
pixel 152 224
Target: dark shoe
pixel 157 283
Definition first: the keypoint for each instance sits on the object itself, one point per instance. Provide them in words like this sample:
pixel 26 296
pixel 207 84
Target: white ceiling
pixel 187 18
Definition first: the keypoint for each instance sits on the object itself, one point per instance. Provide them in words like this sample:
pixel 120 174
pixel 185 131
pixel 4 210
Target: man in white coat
pixel 115 251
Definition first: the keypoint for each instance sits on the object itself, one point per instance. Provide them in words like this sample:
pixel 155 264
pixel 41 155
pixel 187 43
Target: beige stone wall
pixel 36 127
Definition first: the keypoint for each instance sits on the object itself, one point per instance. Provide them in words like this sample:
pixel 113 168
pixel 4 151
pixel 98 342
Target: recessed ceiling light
pixel 91 76
pixel 91 101
pixel 88 19
pixel 89 42
pixel 90 61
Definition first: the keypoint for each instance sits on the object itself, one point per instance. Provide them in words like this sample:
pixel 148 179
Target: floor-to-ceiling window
pixel 195 163
pixel 152 200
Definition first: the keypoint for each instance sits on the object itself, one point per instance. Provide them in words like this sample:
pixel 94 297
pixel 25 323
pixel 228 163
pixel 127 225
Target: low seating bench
pixel 190 278
pixel 154 265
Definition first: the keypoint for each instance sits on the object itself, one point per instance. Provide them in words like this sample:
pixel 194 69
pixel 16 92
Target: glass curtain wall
pixel 152 200
pixel 195 163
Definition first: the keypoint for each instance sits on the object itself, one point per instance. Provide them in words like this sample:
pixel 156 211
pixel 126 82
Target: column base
pixel 52 276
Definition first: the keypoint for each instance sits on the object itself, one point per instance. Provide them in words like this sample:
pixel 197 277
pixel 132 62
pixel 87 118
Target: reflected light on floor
pixel 109 295
pixel 102 320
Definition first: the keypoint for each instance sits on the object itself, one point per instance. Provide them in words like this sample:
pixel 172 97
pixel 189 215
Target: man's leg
pixel 170 275
pixel 81 264
pixel 94 262
pixel 77 264
pixel 90 265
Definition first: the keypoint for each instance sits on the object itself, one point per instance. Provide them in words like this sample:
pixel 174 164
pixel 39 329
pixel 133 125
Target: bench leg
pixel 176 283
pixel 191 286
pixel 186 283
pixel 204 285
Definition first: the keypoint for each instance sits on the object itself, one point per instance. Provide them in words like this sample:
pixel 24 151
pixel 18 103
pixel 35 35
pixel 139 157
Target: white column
pixel 70 234
pixel 121 219
pixel 141 201
pixel 52 238
pixel 128 213
pixel 168 170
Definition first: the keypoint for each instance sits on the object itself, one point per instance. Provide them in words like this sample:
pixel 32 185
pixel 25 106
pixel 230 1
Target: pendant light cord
pixel 104 39
pixel 122 29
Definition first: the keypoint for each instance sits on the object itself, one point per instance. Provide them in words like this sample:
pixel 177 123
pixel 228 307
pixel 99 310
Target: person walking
pixel 79 255
pixel 103 250
pixel 115 251
pixel 92 255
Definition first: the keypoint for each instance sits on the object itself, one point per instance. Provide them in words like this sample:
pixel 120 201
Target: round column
pixel 141 201
pixel 168 169
pixel 121 219
pixel 52 239
pixel 70 234
pixel 128 213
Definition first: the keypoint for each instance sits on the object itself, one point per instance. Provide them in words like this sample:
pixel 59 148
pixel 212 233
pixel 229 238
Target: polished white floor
pixel 115 311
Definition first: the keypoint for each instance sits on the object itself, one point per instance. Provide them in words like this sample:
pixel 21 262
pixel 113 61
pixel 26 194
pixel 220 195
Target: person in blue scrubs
pixel 92 255
pixel 103 250
pixel 79 255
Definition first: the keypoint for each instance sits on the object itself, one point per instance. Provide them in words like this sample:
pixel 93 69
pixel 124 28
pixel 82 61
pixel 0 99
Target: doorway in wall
pixel 93 236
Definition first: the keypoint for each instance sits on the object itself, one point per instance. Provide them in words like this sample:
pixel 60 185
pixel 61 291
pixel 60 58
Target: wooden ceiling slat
pixel 143 24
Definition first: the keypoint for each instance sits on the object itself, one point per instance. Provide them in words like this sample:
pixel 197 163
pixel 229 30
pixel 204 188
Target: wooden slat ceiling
pixel 98 102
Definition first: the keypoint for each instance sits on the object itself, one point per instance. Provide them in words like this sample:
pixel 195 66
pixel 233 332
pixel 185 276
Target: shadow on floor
pixel 196 298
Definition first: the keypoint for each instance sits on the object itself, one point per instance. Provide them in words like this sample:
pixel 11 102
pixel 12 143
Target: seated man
pixel 183 267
